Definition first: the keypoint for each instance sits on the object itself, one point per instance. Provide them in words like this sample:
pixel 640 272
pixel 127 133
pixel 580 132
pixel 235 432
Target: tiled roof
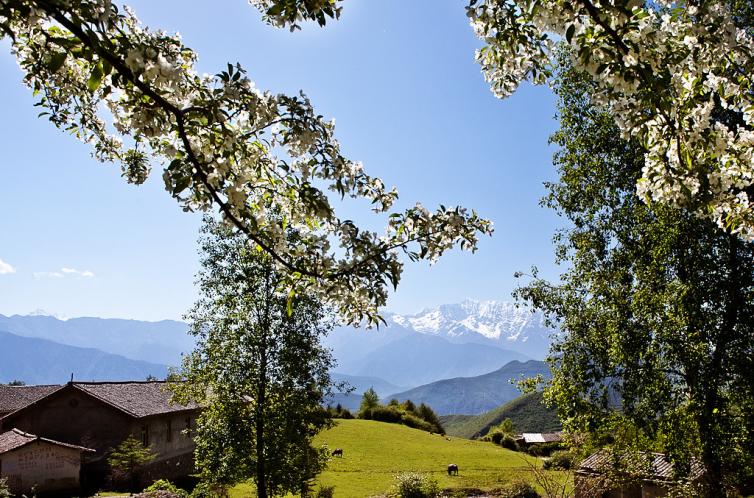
pixel 15 439
pixel 546 437
pixel 14 397
pixel 138 399
pixel 661 470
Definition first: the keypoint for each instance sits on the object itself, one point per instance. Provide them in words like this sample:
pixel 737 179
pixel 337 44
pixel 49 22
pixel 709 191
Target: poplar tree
pixel 259 370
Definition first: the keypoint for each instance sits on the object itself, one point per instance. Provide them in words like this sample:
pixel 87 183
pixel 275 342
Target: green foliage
pixel 325 492
pixel 560 460
pixel 527 412
pixel 126 459
pixel 656 308
pixel 165 485
pixel 259 370
pixel 416 485
pixel 543 449
pixel 16 383
pixel 4 488
pixel 369 400
pixel 517 489
pixel 405 413
pixel 339 412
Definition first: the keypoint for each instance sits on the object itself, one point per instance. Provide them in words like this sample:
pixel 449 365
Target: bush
pixel 543 449
pixel 165 485
pixel 416 485
pixel 4 488
pixel 562 460
pixel 517 489
pixel 325 492
pixel 509 442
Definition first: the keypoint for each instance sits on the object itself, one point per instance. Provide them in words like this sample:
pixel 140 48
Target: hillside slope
pixel 474 395
pixel 38 361
pixel 527 412
pixel 374 452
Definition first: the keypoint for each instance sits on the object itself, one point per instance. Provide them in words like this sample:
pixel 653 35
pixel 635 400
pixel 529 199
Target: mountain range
pixel 455 340
pixel 156 342
pixel 475 395
pixel 39 361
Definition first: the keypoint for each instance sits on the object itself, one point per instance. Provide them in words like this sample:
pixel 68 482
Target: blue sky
pixel 409 101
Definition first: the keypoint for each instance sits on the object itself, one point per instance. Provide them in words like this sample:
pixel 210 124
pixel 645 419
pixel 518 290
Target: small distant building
pixel 101 415
pixel 531 438
pixel 591 480
pixel 13 398
pixel 40 466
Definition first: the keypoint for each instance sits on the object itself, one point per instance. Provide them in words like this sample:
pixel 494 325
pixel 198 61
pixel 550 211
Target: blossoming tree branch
pixel 676 74
pixel 263 161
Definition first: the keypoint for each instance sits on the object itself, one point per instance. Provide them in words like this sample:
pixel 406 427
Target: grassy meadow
pixel 374 452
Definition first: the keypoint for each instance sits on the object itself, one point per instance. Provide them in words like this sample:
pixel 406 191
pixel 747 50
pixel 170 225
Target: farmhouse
pixel 591 479
pixel 36 465
pixel 531 438
pixel 101 415
pixel 14 397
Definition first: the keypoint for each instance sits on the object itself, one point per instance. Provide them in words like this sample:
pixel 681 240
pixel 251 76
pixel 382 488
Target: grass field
pixel 374 452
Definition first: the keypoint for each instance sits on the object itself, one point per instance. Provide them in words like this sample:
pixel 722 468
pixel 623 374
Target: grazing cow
pixel 338 452
pixel 452 469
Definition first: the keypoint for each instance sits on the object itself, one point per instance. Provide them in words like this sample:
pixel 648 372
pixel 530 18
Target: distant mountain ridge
pixel 489 322
pixel 475 395
pixel 156 342
pixel 39 361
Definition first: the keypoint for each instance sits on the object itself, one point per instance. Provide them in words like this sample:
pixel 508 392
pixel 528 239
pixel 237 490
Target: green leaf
pixel 56 61
pixel 95 79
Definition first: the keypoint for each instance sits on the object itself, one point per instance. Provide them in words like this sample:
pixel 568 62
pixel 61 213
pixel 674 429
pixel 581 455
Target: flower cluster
pixel 264 161
pixel 675 74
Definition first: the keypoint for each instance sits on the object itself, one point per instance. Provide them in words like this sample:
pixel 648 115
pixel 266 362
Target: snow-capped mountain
pixel 499 322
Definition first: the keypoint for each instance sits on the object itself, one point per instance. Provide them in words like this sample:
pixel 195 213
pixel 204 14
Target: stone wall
pixel 44 467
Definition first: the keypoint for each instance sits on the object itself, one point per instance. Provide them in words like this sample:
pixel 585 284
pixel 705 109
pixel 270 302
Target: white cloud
pixel 64 272
pixel 6 268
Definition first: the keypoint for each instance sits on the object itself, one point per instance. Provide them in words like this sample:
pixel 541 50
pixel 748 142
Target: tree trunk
pixel 713 441
pixel 259 422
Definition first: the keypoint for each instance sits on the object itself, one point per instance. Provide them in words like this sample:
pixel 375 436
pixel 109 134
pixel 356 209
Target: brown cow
pixel 452 469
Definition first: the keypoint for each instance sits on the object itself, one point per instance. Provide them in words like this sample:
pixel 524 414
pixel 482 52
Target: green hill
pixel 374 452
pixel 527 412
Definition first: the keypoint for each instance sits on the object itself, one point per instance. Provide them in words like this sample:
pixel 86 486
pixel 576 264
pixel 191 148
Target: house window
pixel 145 435
pixel 169 431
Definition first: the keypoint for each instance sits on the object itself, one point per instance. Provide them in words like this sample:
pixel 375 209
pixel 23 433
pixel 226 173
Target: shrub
pixel 496 437
pixel 517 489
pixel 4 488
pixel 325 492
pixel 158 494
pixel 543 449
pixel 562 460
pixel 165 485
pixel 416 485
pixel 508 441
pixel 415 422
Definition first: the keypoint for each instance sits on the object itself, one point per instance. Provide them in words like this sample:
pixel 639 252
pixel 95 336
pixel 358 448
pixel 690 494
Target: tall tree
pixel 656 308
pixel 259 370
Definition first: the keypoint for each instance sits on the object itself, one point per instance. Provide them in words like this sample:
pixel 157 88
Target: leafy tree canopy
pixel 259 370
pixel 656 308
